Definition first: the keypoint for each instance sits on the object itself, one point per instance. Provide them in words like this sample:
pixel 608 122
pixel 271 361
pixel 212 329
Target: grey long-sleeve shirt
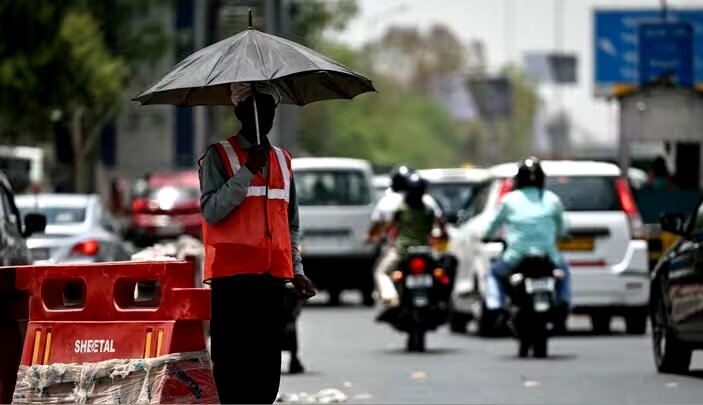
pixel 220 196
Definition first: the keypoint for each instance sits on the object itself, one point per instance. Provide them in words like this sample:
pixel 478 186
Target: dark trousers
pixel 246 337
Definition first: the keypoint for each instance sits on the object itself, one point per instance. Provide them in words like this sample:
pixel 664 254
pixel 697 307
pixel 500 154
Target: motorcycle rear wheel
pixel 416 341
pixel 541 348
pixel 523 349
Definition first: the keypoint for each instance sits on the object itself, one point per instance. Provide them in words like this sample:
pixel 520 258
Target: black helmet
pixel 416 185
pixel 529 174
pixel 399 178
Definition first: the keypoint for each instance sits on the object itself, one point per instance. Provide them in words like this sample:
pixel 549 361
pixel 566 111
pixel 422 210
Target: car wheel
pixel 334 295
pixel 636 323
pixel 367 297
pixel 670 355
pixel 600 324
pixel 458 322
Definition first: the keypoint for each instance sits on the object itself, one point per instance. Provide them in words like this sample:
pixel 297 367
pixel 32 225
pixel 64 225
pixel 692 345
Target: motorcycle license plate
pixel 539 284
pixel 418 281
pixel 420 301
pixel 542 306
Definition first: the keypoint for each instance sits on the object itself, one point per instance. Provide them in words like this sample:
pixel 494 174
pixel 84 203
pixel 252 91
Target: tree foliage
pixel 311 18
pixel 398 124
pixel 517 131
pixel 67 63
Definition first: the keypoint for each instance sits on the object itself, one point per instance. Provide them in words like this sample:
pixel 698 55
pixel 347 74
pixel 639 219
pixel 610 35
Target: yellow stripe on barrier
pixel 159 341
pixel 37 340
pixel 147 348
pixel 47 347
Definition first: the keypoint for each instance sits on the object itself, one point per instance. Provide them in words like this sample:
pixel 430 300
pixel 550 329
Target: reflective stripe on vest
pixel 260 191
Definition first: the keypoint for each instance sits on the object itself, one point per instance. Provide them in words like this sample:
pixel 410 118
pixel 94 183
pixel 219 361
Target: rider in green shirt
pixel 413 221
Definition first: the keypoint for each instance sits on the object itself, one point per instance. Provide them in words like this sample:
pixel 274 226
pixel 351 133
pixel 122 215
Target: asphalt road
pixel 344 349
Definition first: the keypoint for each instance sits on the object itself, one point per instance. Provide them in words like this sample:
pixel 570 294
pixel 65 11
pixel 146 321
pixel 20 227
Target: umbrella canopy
pixel 299 74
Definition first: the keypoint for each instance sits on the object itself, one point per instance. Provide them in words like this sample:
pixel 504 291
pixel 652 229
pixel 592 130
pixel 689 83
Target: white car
pixel 453 188
pixel 606 250
pixel 79 229
pixel 335 199
pixel 381 184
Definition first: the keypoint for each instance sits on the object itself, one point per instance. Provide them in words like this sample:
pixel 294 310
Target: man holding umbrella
pixel 251 238
pixel 250 228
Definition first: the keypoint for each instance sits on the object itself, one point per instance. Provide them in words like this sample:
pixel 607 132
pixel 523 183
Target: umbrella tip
pixel 251 23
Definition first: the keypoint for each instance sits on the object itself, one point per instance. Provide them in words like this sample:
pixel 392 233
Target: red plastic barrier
pixel 108 316
pixel 90 313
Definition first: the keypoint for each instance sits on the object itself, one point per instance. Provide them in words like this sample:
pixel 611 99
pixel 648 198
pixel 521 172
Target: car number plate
pixel 40 254
pixel 539 284
pixel 418 281
pixel 170 230
pixel 578 244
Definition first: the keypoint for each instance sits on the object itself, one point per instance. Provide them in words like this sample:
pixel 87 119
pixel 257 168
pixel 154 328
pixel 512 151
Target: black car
pixel 676 298
pixel 13 248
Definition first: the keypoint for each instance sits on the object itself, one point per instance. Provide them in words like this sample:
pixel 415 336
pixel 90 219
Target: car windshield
pixel 339 187
pixel 585 193
pixel 452 197
pixel 57 215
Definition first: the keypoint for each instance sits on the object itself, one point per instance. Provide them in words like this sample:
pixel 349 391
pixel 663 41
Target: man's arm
pixel 219 196
pixel 497 221
pixel 381 217
pixel 432 203
pixel 294 224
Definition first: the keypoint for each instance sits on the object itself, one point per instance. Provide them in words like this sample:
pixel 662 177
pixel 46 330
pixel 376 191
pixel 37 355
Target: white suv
pixel 606 250
pixel 335 199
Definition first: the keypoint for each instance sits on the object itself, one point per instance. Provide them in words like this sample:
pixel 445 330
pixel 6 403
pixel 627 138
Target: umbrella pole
pixel 256 116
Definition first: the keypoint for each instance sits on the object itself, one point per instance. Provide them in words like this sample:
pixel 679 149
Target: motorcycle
pixel 531 293
pixel 424 283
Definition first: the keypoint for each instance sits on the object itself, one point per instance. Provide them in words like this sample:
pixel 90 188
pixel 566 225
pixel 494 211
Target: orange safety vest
pixel 255 237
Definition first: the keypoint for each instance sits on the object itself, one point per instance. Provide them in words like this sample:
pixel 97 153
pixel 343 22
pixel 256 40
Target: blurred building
pixel 158 138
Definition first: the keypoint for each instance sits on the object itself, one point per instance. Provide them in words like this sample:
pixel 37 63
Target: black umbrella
pixel 298 74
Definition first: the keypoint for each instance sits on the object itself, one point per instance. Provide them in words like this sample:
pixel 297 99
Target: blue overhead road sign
pixel 616 46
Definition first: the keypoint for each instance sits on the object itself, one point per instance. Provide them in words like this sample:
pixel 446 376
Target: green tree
pixel 399 124
pixel 311 18
pixel 516 132
pixel 416 57
pixel 69 62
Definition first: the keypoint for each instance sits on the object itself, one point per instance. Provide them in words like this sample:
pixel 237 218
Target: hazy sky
pixel 532 28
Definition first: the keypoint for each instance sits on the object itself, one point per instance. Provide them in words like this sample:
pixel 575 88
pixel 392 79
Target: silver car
pixel 79 229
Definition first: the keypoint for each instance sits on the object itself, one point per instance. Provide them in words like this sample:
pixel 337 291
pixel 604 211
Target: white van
pixel 335 199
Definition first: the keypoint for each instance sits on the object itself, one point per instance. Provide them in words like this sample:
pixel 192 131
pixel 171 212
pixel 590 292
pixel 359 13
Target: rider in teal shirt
pixel 534 220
